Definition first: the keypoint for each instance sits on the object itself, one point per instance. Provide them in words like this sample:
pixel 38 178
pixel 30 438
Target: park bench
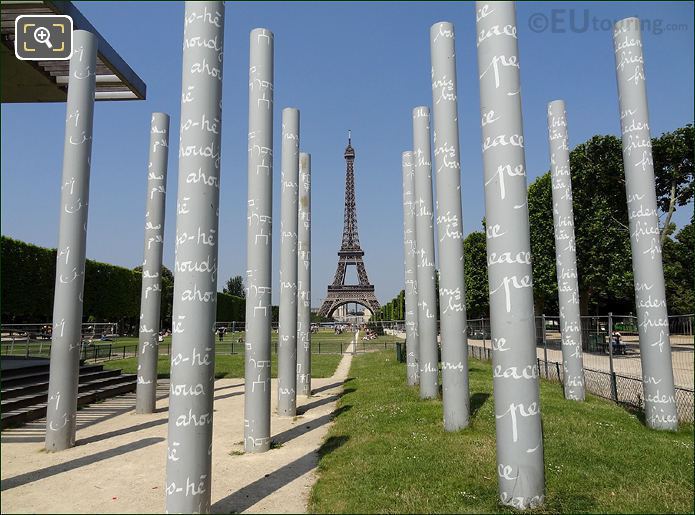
pixel 618 348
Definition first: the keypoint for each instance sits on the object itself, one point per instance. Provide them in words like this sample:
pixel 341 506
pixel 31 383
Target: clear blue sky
pixel 359 66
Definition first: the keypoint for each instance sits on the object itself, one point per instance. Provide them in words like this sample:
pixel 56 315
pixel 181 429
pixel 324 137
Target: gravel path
pixel 119 463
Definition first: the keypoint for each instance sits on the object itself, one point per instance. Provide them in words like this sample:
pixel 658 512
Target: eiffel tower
pixel 350 253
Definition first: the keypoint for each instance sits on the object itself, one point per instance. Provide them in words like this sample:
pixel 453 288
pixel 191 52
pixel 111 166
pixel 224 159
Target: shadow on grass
pixel 327 387
pixel 324 400
pixel 246 497
pixel 299 430
pixel 477 401
pixel 331 444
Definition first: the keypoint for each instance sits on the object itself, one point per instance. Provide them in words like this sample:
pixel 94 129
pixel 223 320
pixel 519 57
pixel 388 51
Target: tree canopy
pixel 235 286
pixel 673 171
pixel 604 258
pixel 602 235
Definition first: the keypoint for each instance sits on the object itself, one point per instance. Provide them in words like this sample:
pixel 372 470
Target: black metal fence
pixel 618 388
pixel 114 350
pixel 601 353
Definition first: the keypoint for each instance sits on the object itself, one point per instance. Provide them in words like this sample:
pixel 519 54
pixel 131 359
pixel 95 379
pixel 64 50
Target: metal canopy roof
pixel 47 81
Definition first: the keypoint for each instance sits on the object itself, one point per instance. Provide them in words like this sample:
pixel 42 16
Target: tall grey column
pixel 304 278
pixel 565 252
pixel 424 232
pixel 259 243
pixel 650 294
pixel 447 169
pixel 189 455
pixel 411 333
pixel 151 296
pixel 61 408
pixel 515 370
pixel 287 344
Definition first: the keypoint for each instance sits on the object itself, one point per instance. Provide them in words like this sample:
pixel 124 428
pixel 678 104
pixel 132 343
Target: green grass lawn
pixel 322 365
pixel 387 452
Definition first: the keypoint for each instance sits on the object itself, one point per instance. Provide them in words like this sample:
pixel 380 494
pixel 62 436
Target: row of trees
pixel 392 310
pixel 604 258
pixel 111 293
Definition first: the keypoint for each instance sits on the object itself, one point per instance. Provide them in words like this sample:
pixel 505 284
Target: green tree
pixel 167 274
pixel 601 229
pixel 235 286
pixel 679 270
pixel 475 271
pixel 540 203
pixel 673 171
pixel 316 319
pixel 604 257
pixel 167 298
pixel 601 224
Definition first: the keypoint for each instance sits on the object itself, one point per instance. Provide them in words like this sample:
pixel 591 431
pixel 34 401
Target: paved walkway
pixel 119 463
pixel 628 365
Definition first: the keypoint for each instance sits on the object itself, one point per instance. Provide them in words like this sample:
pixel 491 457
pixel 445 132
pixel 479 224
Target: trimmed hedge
pixel 111 293
pixel 230 308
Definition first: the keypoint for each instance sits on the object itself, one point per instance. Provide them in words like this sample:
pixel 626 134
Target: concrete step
pixel 22 390
pixel 22 415
pixel 35 377
pixel 25 401
pixel 23 370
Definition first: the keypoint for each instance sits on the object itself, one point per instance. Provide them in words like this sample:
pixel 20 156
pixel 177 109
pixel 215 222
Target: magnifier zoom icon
pixel 43 36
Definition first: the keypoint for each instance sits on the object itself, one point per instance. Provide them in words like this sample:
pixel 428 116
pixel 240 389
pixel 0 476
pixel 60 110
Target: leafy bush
pixel 111 293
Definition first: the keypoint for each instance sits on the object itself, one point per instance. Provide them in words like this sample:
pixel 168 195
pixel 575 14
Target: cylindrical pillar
pixel 643 216
pixel 287 342
pixel 151 296
pixel 565 252
pixel 424 232
pixel 61 408
pixel 259 243
pixel 304 278
pixel 410 263
pixel 189 455
pixel 447 169
pixel 515 368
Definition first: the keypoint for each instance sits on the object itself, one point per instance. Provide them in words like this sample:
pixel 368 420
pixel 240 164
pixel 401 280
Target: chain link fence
pixel 612 366
pixel 618 388
pixel 611 344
